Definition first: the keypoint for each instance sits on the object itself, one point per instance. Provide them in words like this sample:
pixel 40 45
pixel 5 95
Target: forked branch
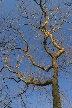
pixel 48 34
pixel 39 66
pixel 30 80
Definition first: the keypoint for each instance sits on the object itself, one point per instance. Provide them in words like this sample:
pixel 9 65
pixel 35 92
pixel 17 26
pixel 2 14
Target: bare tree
pixel 34 48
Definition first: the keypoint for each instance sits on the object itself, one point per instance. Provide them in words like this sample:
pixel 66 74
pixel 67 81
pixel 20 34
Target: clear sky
pixel 8 5
pixel 33 99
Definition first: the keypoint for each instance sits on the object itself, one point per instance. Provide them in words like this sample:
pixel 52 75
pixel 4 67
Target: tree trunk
pixel 56 95
pixel 55 90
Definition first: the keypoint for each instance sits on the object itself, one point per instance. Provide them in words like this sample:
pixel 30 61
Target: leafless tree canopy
pixel 36 54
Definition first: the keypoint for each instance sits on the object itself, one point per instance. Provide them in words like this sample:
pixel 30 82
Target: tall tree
pixel 35 46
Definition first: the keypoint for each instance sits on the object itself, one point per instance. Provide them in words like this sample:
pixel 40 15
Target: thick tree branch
pixel 45 42
pixel 30 80
pixel 44 83
pixel 48 34
pixel 60 52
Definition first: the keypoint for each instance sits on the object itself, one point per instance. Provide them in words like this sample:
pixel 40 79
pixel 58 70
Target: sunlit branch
pixel 39 66
pixel 70 62
pixel 45 43
pixel 9 68
pixel 54 42
pixel 48 34
pixel 32 81
pixel 38 83
pixel 44 12
pixel 60 52
pixel 46 49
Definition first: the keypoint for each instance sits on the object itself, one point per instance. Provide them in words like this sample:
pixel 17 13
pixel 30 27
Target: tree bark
pixel 55 90
pixel 56 95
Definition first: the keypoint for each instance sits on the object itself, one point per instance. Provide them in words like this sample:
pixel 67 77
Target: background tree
pixel 35 48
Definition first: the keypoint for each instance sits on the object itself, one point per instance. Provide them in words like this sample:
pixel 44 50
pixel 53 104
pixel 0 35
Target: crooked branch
pixel 48 34
pixel 39 66
pixel 30 80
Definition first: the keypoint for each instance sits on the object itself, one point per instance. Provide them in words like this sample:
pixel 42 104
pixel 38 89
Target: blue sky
pixel 8 6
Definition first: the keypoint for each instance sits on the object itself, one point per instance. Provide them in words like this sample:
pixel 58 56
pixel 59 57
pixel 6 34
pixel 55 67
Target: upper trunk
pixel 55 94
pixel 55 87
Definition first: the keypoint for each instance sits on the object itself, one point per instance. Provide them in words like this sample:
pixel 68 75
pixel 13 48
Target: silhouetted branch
pixel 1 69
